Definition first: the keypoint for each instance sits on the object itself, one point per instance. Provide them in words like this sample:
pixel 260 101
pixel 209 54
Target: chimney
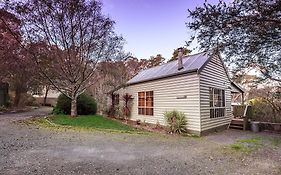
pixel 180 55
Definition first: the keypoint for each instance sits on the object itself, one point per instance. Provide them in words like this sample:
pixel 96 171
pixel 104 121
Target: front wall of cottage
pixel 214 75
pixel 179 92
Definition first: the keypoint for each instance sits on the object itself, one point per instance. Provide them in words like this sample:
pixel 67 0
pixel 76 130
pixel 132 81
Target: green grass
pixel 237 146
pixel 275 141
pixel 246 145
pixel 254 141
pixel 90 121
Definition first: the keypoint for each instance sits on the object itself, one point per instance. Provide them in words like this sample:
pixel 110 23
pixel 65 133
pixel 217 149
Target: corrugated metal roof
pixel 191 63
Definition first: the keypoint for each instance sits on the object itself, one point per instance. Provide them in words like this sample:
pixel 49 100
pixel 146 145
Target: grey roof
pixel 191 63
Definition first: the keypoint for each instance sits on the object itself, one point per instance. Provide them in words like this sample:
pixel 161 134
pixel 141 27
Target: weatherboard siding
pixel 214 75
pixel 166 91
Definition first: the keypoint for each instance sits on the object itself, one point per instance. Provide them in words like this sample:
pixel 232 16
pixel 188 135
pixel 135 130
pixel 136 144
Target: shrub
pixel 266 104
pixel 85 105
pixel 238 111
pixel 3 108
pixel 176 121
pixel 115 112
pixel 118 112
pixel 28 100
pixel 57 110
pixel 265 111
pixel 127 107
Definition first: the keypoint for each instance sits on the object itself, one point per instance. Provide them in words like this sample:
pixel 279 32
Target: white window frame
pixel 216 108
pixel 145 107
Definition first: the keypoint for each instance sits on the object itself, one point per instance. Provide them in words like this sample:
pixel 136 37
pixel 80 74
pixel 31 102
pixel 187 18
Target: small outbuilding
pixel 197 85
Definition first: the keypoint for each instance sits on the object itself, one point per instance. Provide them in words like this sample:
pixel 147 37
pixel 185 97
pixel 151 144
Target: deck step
pixel 236 124
pixel 236 127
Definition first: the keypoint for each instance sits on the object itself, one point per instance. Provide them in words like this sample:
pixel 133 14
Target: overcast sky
pixel 152 27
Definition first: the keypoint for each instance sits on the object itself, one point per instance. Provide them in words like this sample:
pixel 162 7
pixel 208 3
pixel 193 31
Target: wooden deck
pixel 237 124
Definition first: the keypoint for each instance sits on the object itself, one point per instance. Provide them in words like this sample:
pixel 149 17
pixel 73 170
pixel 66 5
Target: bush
pixel 57 110
pixel 118 113
pixel 238 111
pixel 3 108
pixel 85 105
pixel 176 121
pixel 115 112
pixel 28 100
pixel 264 111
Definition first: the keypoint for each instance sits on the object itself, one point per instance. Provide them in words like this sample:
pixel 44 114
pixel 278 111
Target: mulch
pixel 143 126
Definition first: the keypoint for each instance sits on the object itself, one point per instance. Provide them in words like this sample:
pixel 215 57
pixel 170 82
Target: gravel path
pixel 26 149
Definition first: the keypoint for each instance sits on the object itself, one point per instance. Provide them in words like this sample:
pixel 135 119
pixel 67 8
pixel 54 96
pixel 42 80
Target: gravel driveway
pixel 27 149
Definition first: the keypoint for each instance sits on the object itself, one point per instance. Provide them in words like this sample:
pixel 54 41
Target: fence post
pixel 245 118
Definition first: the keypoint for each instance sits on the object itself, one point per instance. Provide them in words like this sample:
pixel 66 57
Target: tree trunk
pixel 17 97
pixel 74 106
pixel 46 95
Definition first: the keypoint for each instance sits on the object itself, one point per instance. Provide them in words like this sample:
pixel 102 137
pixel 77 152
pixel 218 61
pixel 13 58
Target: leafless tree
pixel 77 36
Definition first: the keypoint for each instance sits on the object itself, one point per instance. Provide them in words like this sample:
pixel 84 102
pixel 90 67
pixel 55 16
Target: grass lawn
pixel 247 145
pixel 90 121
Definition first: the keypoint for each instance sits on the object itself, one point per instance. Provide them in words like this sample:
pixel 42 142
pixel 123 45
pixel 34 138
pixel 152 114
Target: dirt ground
pixel 28 149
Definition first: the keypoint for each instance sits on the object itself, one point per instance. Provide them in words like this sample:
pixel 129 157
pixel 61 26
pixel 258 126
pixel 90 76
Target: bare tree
pixel 77 37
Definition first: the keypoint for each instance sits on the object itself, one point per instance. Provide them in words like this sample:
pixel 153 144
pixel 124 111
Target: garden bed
pixel 145 126
pixel 156 128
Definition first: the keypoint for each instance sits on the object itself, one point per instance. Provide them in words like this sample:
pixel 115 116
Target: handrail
pixel 245 111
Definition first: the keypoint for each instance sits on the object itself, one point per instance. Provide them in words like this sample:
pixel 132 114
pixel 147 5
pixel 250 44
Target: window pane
pixel 211 113
pixel 149 94
pixel 141 94
pixel 149 101
pixel 211 97
pixel 141 111
pixel 219 99
pixel 149 111
pixel 141 102
pixel 223 98
pixel 216 97
pixel 223 112
pixel 141 99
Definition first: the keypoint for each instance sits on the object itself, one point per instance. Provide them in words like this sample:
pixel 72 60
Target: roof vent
pixel 180 55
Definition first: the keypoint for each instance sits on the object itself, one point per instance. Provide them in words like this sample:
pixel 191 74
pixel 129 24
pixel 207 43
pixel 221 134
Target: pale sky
pixel 152 27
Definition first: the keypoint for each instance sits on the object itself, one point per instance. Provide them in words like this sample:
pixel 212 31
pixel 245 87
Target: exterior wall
pixel 52 97
pixel 214 75
pixel 50 101
pixel 51 94
pixel 166 91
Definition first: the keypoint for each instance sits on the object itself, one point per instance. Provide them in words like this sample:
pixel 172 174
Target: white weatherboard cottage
pixel 197 85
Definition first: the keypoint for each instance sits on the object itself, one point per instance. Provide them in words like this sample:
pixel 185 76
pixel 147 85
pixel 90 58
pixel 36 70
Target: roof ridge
pixel 185 56
pixel 170 68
